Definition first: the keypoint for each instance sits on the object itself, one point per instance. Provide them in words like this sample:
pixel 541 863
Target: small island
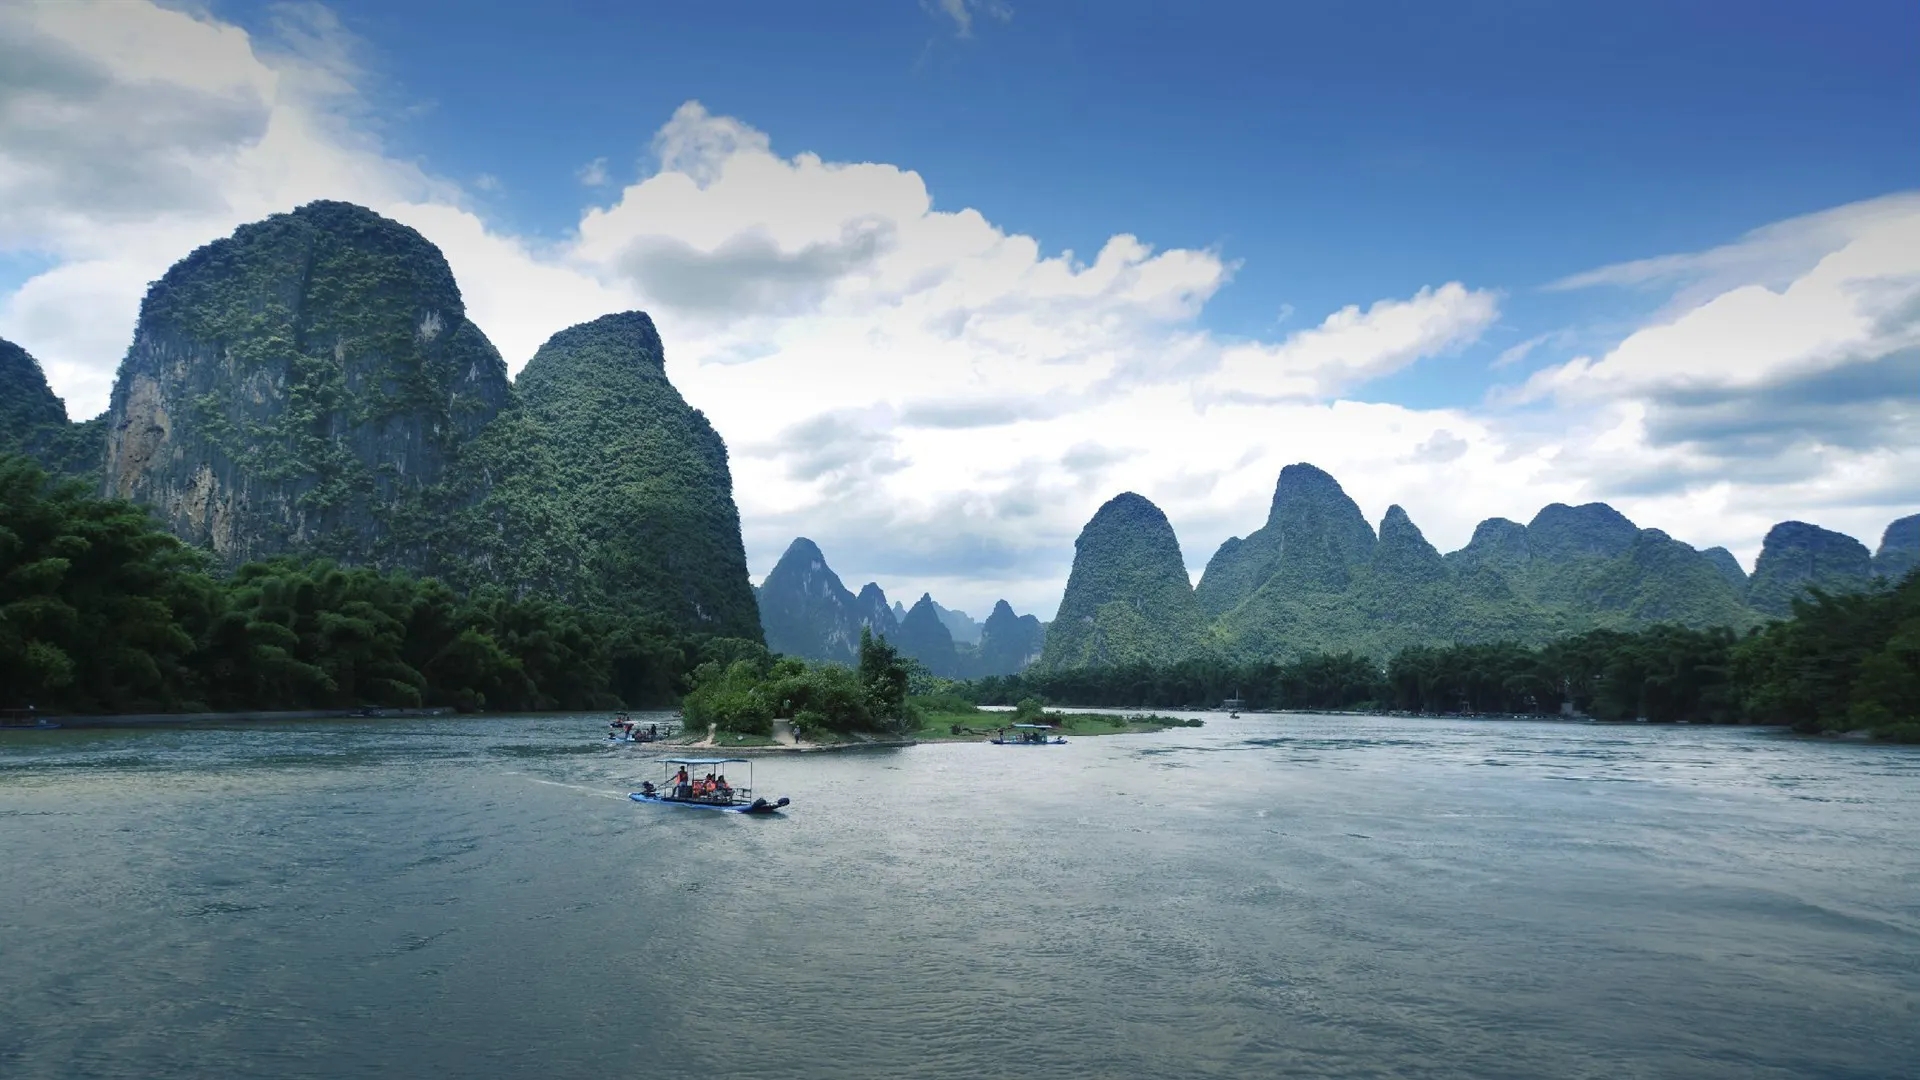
pixel 759 701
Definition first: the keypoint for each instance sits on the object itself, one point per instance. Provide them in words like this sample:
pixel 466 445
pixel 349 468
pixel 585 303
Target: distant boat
pixel 26 720
pixel 696 794
pixel 622 729
pixel 1027 735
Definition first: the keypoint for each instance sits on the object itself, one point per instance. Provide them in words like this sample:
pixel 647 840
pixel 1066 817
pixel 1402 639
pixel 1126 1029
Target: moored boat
pixel 711 792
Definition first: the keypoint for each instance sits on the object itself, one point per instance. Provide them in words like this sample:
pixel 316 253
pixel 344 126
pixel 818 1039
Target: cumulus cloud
pixel 1352 346
pixel 942 403
pixel 1787 385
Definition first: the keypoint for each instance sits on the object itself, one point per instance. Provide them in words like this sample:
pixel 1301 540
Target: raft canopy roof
pixel 707 761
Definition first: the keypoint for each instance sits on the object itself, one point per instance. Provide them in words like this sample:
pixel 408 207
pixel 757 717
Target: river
pixel 1270 895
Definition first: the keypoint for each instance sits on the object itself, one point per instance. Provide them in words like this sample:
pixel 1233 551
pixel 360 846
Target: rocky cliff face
pixel 1009 643
pixel 804 609
pixel 870 610
pixel 1796 557
pixel 1899 549
pixel 312 385
pixel 1128 598
pixel 309 384
pixel 643 475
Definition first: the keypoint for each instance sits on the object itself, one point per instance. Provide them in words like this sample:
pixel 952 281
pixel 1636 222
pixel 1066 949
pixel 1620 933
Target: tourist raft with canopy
pixel 1027 735
pixel 686 786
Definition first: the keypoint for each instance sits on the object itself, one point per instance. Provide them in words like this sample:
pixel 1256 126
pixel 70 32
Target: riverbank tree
pixel 744 696
pixel 1840 663
pixel 102 611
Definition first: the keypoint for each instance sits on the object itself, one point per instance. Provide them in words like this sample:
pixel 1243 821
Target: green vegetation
pixel 1797 556
pixel 744 695
pixel 1842 663
pixel 1128 598
pixel 34 422
pixel 311 386
pixel 1315 578
pixel 643 476
pixel 102 610
pixel 1845 662
pixel 951 717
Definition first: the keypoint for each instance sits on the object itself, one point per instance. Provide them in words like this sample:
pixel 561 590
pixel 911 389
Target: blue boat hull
pixel 1022 742
pixel 758 806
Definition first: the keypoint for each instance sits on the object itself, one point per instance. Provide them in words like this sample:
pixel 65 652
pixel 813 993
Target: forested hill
pixel 642 474
pixel 311 386
pixel 34 422
pixel 1316 577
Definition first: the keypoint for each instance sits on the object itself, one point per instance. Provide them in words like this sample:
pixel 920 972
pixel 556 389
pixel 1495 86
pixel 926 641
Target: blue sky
pixel 1283 162
pixel 1334 150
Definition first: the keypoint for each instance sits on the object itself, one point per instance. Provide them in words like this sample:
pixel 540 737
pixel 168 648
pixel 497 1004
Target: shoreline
pixel 252 716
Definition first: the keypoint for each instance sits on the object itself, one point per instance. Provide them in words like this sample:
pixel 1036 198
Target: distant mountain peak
pixel 1593 529
pixel 1128 597
pixel 1899 549
pixel 1797 556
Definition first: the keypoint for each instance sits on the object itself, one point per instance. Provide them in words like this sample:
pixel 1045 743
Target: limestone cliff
pixel 311 383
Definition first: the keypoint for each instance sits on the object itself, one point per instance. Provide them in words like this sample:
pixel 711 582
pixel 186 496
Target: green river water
pixel 1267 896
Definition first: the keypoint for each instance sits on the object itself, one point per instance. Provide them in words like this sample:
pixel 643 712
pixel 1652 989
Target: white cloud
pixel 593 173
pixel 939 402
pixel 1352 346
pixel 961 12
pixel 1856 303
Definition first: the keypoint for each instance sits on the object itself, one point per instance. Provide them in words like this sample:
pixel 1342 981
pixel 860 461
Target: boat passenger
pixel 681 789
pixel 721 787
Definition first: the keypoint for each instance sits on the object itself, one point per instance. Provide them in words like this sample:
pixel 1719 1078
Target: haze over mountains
pixel 807 611
pixel 311 385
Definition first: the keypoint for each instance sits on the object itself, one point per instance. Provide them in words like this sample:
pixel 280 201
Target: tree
pixel 883 678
